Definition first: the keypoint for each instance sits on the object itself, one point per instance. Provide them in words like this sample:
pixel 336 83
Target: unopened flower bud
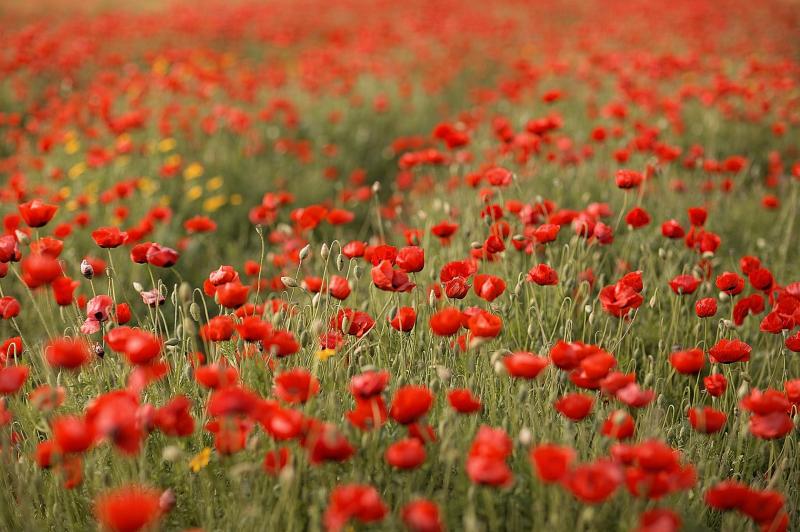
pixel 86 269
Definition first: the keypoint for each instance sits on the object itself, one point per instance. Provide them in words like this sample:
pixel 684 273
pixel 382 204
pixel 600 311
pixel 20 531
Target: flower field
pixel 425 265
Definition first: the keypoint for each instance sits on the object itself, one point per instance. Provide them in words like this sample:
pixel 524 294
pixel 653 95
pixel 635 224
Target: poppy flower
pixel 575 406
pixel 463 401
pixel 368 384
pixel 421 515
pixel 627 179
pixel 727 495
pixel 637 217
pixel 618 425
pixel 524 365
pixel 485 324
pixel 730 283
pixel 706 307
pixel 275 461
pixel 729 351
pixel 161 256
pixel 128 508
pixel 12 378
pixel 486 461
pixel 620 299
pixel 408 453
pixel 385 277
pixel 72 434
pixel 216 375
pixel 488 287
pixel 446 322
pixel 296 386
pixel 684 284
pixel 174 419
pixel 688 362
pixel 109 237
pixel 543 275
pixel 404 319
pixel 36 213
pixel 9 249
pixel 672 229
pixel 9 307
pixel 715 384
pixel 410 259
pixel 338 287
pixel 67 353
pixel 595 482
pixel 707 420
pixel 410 403
pixel 231 294
pixel 552 462
pixel 353 501
pixel 200 224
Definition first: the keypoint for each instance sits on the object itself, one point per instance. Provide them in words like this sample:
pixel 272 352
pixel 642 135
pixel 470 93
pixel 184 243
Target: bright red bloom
pixel 486 462
pixel 296 386
pixel 707 420
pixel 684 284
pixel 446 322
pixel 109 237
pixel 12 378
pixel 688 362
pixel 524 365
pixel 595 482
pixel 421 515
pixel 353 501
pixel 410 259
pixel 552 462
pixel 408 453
pixel 706 307
pixel 715 384
pixel 128 508
pixel 67 353
pixel 404 319
pixel 463 401
pixel 410 403
pixel 36 213
pixel 729 351
pixel 619 425
pixel 543 275
pixel 575 406
pixel 489 287
pixel 627 179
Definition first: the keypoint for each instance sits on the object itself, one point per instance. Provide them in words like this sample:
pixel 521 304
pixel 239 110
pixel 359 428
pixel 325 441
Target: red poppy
pixel 339 287
pixel 109 237
pixel 707 420
pixel 486 462
pixel 524 365
pixel 543 275
pixel 706 307
pixel 296 386
pixel 489 287
pixel 595 482
pixel 446 322
pixel 128 508
pixel 421 515
pixel 410 403
pixel 684 284
pixel 575 406
pixel 353 501
pixel 404 319
pixel 174 419
pixel 12 378
pixel 729 351
pixel 67 353
pixel 715 384
pixel 408 453
pixel 463 401
pixel 36 213
pixel 627 179
pixel 72 434
pixel 276 461
pixel 688 362
pixel 410 259
pixel 9 249
pixel 618 425
pixel 552 462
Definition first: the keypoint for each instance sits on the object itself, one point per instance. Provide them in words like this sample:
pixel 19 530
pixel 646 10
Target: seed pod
pixel 185 292
pixel 86 269
pixel 525 436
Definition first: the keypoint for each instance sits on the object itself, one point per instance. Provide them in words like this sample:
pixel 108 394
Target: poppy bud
pixel 324 251
pixel 339 262
pixel 305 251
pixel 289 282
pixel 86 269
